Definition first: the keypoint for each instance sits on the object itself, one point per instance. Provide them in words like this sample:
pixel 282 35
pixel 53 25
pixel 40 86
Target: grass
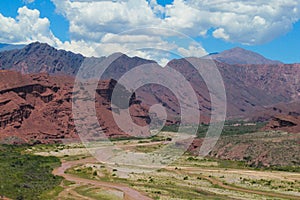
pixel 230 128
pixel 285 168
pixel 157 186
pixel 153 138
pixel 25 176
pixel 96 193
pixel 147 149
pixel 86 172
pixel 179 183
pixel 51 194
pixel 215 163
pixel 233 164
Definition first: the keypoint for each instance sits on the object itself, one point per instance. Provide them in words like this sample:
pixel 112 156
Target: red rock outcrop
pixel 287 123
pixel 254 85
pixel 38 108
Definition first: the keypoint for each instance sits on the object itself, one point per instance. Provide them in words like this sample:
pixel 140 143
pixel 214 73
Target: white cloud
pixel 100 28
pixel 248 22
pixel 220 33
pixel 122 26
pixel 27 27
pixel 163 62
pixel 194 50
pixel 114 38
pixel 91 20
pixel 28 1
pixel 152 48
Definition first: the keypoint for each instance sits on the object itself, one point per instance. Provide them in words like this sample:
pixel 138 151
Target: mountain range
pixel 37 82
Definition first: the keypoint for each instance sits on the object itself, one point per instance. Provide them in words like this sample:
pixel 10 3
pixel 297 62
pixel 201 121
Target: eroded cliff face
pixel 38 108
pixel 14 110
pixel 289 123
pixel 252 82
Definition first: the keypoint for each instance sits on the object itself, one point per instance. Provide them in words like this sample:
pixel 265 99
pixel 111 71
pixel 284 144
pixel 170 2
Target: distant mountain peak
pixel 38 46
pixel 40 57
pixel 239 55
pixel 118 54
pixel 238 48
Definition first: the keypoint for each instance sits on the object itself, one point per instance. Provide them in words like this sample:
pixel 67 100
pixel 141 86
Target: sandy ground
pixel 129 193
pixel 203 172
pixel 272 175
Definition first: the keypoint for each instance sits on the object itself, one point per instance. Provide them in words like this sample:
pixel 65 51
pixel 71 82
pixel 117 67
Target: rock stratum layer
pixel 39 105
pixel 38 108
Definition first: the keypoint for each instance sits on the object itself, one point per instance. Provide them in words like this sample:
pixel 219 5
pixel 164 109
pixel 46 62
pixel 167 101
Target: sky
pixel 156 29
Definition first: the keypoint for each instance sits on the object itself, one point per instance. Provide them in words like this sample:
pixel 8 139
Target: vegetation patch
pixel 25 176
pixel 98 193
pixel 230 128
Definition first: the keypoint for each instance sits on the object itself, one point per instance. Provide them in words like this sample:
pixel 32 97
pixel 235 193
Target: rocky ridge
pixel 38 108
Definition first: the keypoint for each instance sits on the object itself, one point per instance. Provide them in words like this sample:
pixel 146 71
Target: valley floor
pixel 187 178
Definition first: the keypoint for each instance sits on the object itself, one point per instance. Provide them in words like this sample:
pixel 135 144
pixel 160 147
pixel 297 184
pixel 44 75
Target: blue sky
pixel 275 36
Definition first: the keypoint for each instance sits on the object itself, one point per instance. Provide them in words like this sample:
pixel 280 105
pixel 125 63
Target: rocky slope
pixel 270 149
pixel 38 108
pixel 289 123
pixel 38 57
pixel 30 103
pixel 241 56
pixel 249 88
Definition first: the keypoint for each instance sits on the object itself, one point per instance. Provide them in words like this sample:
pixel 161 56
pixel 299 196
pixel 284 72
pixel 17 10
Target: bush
pixel 24 176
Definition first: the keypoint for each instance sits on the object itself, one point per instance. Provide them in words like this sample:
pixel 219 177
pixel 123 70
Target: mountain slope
pixel 241 56
pixel 250 87
pixel 38 108
pixel 38 57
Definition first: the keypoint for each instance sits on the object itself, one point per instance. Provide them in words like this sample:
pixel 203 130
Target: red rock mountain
pixel 241 56
pixel 39 57
pixel 39 105
pixel 37 108
pixel 249 88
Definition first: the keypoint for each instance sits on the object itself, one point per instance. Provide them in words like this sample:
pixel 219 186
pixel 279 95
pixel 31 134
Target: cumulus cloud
pixel 194 50
pixel 220 33
pixel 27 27
pixel 148 47
pixel 248 22
pixel 115 38
pixel 123 26
pixel 91 20
pixel 99 28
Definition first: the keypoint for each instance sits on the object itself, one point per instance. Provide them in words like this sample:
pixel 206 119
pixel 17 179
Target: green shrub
pixel 26 176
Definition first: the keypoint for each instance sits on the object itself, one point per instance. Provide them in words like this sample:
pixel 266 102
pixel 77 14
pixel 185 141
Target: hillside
pixel 30 103
pixel 39 57
pixel 239 55
pixel 38 108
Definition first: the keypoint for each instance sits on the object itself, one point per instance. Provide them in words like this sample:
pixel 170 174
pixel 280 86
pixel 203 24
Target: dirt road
pixel 129 193
pixel 132 194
